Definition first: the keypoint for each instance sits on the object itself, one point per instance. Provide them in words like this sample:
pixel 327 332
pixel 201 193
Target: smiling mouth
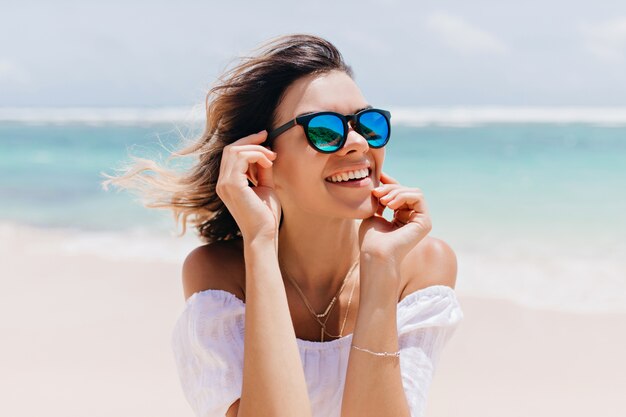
pixel 350 176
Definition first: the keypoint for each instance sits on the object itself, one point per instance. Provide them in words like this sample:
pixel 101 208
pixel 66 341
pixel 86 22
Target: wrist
pixel 379 263
pixel 260 243
pixel 380 279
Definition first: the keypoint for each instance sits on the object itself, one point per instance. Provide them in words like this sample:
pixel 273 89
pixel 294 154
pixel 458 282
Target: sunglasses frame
pixel 353 119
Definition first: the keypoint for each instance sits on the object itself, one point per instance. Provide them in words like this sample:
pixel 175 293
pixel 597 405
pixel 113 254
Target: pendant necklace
pixel 326 313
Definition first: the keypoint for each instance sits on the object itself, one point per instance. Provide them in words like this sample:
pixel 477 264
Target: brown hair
pixel 242 101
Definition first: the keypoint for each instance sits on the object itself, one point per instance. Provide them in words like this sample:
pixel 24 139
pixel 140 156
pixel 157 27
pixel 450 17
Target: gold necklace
pixel 346 316
pixel 330 306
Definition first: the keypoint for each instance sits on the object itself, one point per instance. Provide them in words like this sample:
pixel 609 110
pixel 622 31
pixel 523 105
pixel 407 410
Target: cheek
pixel 379 155
pixel 297 174
pixel 379 159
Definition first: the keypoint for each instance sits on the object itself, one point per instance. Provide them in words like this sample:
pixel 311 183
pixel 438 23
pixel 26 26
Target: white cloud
pixel 462 36
pixel 606 40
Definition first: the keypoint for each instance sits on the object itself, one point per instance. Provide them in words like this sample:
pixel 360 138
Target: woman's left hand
pixel 391 241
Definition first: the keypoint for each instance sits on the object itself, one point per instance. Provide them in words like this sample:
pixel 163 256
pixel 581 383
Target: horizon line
pixel 404 115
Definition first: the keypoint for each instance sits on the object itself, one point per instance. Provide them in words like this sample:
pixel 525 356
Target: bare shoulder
pixel 431 262
pixel 217 265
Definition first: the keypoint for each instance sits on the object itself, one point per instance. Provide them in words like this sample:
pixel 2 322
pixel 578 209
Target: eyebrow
pixel 369 106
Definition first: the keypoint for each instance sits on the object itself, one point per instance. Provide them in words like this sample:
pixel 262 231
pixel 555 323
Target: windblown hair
pixel 242 101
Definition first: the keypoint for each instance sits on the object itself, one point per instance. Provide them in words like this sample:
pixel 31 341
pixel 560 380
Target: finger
pixel 391 193
pixel 242 148
pixel 258 137
pixel 410 199
pixel 386 184
pixel 252 173
pixel 386 179
pixel 414 230
pixel 393 190
pixel 416 224
pixel 385 188
pixel 403 216
pixel 265 177
pixel 250 157
pixel 417 205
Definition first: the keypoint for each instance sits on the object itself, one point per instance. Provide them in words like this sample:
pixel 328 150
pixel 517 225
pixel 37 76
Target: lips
pixel 354 183
pixel 354 168
pixel 349 176
pixel 364 182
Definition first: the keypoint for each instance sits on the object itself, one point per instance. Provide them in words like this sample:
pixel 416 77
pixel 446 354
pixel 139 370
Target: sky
pixel 404 53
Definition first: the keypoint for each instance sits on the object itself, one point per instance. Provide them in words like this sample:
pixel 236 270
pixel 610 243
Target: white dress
pixel 207 341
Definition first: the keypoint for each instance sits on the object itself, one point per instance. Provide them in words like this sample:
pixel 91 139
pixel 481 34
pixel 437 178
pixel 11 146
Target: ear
pixel 252 174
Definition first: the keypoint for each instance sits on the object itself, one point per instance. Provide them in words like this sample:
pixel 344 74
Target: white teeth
pixel 345 176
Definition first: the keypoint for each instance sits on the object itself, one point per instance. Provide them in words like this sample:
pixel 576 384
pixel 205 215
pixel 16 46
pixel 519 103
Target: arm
pixel 373 383
pixel 273 376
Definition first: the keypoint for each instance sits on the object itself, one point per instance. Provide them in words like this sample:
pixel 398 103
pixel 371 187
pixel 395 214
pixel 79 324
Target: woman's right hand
pixel 256 209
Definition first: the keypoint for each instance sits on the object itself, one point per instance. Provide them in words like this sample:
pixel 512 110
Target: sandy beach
pixel 507 360
pixel 85 333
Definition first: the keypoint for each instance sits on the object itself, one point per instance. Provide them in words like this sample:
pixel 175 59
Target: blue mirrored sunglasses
pixel 327 131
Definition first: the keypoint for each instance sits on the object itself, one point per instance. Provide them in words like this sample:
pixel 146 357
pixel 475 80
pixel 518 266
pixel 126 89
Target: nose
pixel 354 142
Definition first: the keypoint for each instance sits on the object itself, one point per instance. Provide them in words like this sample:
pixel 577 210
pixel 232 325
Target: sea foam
pixel 411 116
pixel 541 275
pixel 470 116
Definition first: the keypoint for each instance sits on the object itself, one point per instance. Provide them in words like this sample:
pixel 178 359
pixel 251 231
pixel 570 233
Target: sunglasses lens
pixel 374 127
pixel 326 132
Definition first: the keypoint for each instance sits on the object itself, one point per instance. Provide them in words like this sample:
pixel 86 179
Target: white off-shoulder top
pixel 208 337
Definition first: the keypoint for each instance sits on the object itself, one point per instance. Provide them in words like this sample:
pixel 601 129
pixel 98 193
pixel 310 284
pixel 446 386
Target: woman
pixel 288 192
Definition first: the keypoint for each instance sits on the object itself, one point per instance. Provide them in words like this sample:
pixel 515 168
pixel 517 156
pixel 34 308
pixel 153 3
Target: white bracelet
pixel 396 354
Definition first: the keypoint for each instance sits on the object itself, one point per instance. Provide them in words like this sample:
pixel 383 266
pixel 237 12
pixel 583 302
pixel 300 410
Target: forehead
pixel 333 91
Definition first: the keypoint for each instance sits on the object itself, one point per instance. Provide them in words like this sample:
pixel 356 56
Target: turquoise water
pixel 535 212
pixel 539 180
pixel 546 179
pixel 50 175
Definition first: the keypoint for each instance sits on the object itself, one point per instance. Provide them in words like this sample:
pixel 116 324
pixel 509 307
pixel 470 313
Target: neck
pixel 317 253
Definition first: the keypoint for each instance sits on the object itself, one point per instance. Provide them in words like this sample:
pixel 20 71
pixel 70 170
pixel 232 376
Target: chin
pixel 355 209
pixel 367 209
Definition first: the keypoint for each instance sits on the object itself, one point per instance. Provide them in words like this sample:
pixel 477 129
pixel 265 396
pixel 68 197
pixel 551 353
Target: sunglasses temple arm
pixel 281 129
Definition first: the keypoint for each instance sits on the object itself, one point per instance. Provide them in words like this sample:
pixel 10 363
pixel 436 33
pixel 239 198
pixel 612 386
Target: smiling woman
pixel 288 193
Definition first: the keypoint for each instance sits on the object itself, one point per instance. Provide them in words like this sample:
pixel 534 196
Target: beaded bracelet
pixel 396 354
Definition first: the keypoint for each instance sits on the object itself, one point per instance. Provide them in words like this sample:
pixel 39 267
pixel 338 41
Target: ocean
pixel 534 207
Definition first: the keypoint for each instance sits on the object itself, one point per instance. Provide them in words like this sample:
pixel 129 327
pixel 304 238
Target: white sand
pixel 85 335
pixel 507 360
